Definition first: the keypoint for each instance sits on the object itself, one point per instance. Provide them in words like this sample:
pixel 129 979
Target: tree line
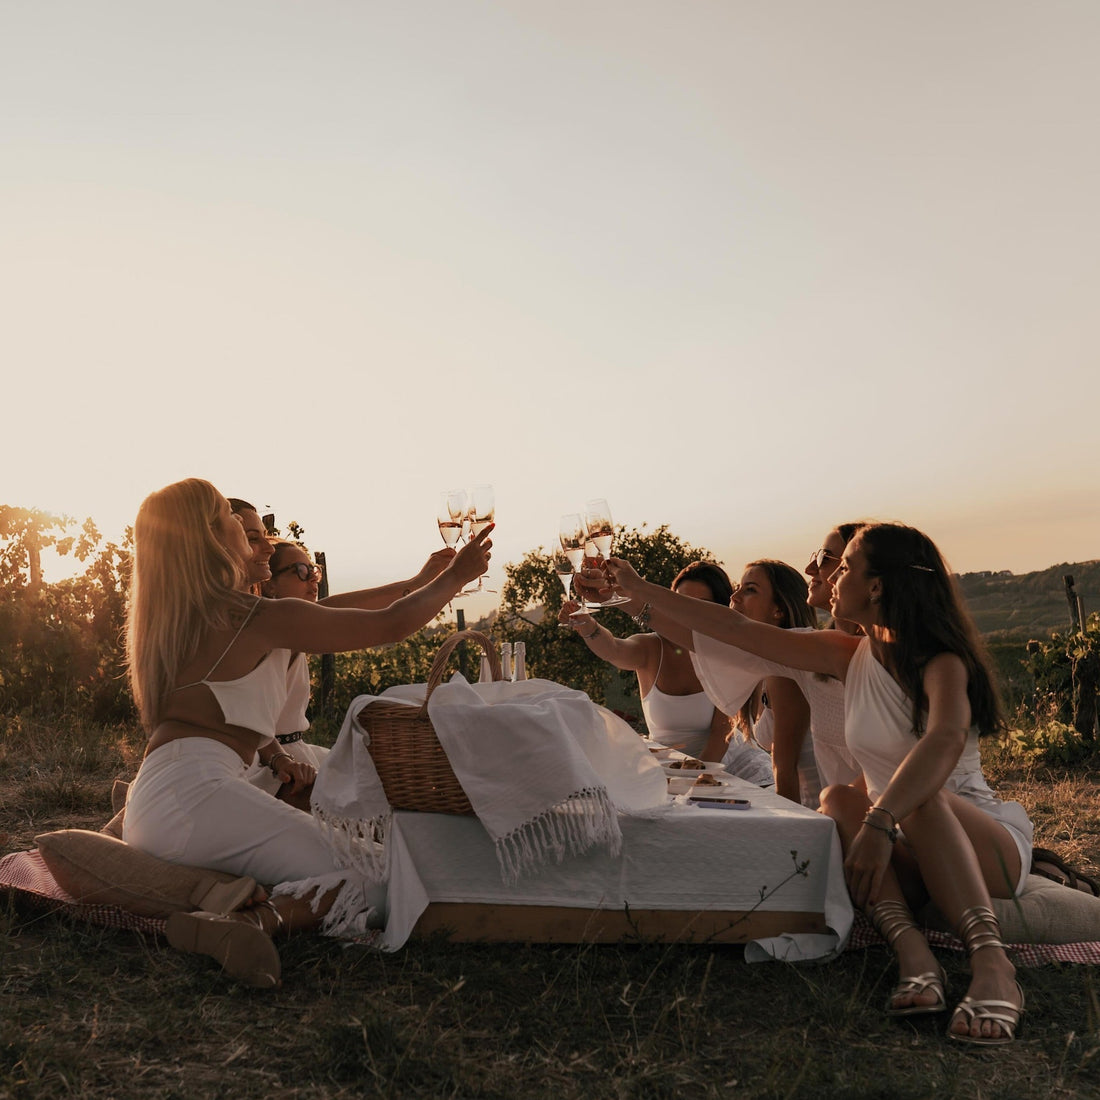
pixel 61 643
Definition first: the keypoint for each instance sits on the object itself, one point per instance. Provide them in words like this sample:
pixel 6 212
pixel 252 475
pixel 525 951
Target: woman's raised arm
pixel 827 651
pixel 313 628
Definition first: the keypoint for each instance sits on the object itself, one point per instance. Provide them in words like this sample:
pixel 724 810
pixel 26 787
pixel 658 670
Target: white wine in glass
pixel 481 513
pixel 449 515
pixel 600 531
pixel 571 536
pixel 564 569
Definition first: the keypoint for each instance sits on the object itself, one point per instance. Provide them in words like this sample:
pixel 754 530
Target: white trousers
pixel 190 803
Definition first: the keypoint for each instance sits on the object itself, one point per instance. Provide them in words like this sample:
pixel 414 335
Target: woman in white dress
pixel 918 693
pixel 676 710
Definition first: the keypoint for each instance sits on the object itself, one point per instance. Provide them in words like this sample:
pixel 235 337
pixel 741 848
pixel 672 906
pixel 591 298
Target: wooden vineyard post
pixel 328 661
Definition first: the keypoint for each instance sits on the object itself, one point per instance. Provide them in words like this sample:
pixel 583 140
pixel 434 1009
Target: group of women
pixel 890 703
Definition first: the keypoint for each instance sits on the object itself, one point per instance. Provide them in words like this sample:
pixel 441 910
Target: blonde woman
pixel 208 665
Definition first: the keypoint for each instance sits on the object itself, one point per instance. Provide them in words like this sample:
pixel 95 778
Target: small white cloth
pixel 544 768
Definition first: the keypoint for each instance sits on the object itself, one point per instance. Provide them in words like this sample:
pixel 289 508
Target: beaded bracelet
pixel 589 637
pixel 891 832
pixel 642 618
pixel 271 762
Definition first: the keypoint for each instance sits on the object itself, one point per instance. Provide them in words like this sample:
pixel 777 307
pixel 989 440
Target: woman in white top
pixel 729 676
pixel 676 710
pixel 208 667
pixel 918 694
pixel 777 711
pixel 285 766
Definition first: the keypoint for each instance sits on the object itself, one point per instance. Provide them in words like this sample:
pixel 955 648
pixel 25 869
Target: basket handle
pixel 439 665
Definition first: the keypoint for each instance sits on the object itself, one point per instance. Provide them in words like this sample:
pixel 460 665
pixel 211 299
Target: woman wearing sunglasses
pixel 918 694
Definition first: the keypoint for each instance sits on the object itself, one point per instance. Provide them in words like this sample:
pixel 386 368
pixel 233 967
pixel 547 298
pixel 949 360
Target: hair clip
pixel 922 568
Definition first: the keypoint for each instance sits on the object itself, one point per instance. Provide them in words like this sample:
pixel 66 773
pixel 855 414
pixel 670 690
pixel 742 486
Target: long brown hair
pixel 923 609
pixel 790 591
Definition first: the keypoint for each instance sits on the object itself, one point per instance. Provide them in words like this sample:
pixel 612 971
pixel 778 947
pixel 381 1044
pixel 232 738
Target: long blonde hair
pixel 185 583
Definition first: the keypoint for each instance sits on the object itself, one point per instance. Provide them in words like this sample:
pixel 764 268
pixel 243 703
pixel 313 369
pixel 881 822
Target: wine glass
pixel 571 535
pixel 451 515
pixel 480 513
pixel 600 531
pixel 563 567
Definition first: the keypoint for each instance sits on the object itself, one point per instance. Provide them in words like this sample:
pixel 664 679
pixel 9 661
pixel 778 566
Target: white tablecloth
pixel 677 857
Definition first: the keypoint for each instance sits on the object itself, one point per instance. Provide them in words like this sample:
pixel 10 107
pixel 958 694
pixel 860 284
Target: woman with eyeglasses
pixel 676 711
pixel 208 664
pixel 273 570
pixel 918 694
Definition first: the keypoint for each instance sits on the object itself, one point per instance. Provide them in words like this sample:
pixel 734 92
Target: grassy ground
pixel 92 1013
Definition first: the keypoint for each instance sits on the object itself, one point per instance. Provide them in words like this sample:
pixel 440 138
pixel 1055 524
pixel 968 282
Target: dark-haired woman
pixel 918 693
pixel 730 676
pixel 777 711
pixel 676 710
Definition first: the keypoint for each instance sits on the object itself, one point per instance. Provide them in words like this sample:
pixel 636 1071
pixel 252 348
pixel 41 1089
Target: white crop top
pixel 256 699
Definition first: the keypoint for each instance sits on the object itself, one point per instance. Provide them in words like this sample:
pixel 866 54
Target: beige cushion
pixel 114 826
pixel 1044 912
pixel 99 869
pixel 119 789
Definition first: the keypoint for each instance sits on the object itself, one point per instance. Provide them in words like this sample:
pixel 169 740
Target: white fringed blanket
pixel 546 772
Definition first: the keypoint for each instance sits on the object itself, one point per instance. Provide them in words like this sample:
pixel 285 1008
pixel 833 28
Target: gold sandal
pixel 978 928
pixel 891 918
pixel 245 950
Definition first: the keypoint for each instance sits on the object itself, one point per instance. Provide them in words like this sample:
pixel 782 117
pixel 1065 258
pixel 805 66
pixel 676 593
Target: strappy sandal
pixel 1051 866
pixel 892 919
pixel 245 951
pixel 978 928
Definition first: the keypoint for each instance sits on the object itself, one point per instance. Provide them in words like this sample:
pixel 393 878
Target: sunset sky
pixel 748 269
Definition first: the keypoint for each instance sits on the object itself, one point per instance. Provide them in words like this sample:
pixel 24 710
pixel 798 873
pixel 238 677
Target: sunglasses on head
pixel 820 557
pixel 304 570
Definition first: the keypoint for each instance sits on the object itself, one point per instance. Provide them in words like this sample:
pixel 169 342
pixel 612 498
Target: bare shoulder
pixel 945 672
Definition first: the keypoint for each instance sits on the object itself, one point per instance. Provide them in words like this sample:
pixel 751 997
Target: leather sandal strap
pixel 892 919
pixel 978 928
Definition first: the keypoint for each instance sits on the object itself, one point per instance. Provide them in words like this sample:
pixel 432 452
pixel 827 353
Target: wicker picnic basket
pixel 411 763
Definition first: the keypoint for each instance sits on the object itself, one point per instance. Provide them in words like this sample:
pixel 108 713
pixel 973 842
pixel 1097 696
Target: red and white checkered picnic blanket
pixel 26 872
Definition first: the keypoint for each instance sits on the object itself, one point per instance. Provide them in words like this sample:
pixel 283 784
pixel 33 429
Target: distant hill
pixel 1029 605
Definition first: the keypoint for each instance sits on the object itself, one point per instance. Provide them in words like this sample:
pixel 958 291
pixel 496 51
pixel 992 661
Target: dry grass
pixel 91 1013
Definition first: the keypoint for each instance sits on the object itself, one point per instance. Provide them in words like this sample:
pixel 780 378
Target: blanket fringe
pixel 357 843
pixel 356 910
pixel 580 822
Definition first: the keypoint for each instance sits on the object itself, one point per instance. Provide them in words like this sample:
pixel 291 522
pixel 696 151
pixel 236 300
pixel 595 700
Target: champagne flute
pixel 571 535
pixel 600 530
pixel 563 567
pixel 482 509
pixel 451 517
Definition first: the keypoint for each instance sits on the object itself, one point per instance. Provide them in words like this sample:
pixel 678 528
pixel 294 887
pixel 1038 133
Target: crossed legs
pixel 958 856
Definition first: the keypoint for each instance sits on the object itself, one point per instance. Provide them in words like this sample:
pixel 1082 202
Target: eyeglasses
pixel 304 570
pixel 820 557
